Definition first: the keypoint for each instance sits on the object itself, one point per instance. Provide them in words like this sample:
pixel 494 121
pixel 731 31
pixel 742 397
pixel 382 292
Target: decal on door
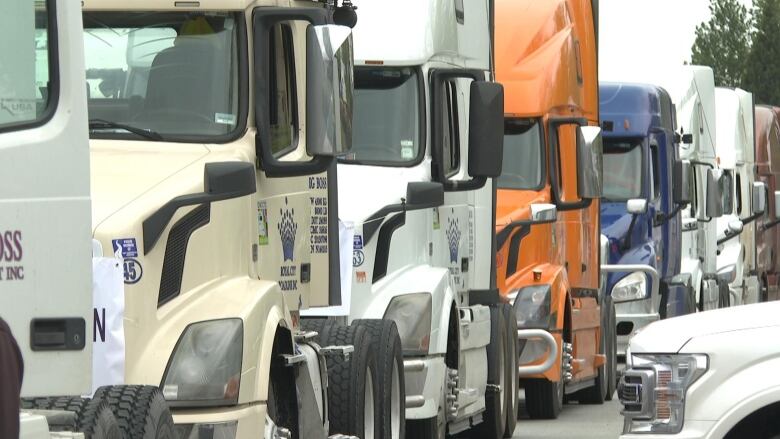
pixel 127 250
pixel 288 228
pixel 453 239
pixel 358 257
pixel 11 253
pixel 262 223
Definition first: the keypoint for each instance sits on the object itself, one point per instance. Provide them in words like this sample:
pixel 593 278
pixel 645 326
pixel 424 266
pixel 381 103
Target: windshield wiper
pixel 96 124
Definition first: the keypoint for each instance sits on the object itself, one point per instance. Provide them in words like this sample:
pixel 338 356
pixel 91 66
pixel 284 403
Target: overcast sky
pixel 640 38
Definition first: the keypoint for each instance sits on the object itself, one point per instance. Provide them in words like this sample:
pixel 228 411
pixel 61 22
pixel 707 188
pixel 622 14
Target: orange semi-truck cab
pixel 547 214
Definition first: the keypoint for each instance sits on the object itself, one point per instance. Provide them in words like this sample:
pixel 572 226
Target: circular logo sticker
pixel 358 258
pixel 133 271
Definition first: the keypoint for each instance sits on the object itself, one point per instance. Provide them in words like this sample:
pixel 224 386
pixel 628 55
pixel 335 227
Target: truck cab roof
pixel 415 32
pixel 633 110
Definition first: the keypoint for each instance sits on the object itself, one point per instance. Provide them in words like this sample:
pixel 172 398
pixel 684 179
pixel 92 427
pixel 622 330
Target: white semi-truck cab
pixel 744 199
pixel 213 128
pixel 692 88
pixel 418 189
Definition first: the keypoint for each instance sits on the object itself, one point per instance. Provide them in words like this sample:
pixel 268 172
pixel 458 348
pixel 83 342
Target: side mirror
pixel 636 206
pixel 424 194
pixel 735 227
pixel 486 129
pixel 329 88
pixel 589 162
pixel 687 139
pixel 727 274
pixel 777 204
pixel 543 213
pixel 714 206
pixel 759 197
pixel 681 182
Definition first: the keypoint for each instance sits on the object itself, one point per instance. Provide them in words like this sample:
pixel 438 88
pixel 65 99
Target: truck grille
pixel 630 393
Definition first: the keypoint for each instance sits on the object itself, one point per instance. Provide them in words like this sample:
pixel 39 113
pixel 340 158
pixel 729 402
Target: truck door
pixel 45 219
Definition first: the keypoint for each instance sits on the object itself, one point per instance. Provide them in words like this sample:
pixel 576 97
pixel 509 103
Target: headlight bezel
pixel 636 281
pixel 664 391
pixel 231 346
pixel 532 307
pixel 414 328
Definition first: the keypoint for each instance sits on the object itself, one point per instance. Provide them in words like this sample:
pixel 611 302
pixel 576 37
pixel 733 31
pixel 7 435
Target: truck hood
pixel 670 335
pixel 123 171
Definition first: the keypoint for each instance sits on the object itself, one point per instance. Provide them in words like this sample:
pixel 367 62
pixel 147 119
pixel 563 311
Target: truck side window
pixel 283 99
pixel 656 171
pixel 739 195
pixel 451 137
pixel 26 79
pixel 727 190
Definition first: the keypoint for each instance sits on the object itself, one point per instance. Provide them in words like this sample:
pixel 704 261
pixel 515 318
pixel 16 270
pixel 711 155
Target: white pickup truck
pixel 706 375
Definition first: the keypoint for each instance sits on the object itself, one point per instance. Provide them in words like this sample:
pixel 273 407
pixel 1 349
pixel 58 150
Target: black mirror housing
pixel 681 182
pixel 486 129
pixel 424 194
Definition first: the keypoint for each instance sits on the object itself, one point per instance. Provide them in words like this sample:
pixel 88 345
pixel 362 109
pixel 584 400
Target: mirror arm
pixel 770 224
pixel 662 218
pixel 626 244
pixel 728 237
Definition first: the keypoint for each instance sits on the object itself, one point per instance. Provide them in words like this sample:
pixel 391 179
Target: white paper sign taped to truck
pixel 108 351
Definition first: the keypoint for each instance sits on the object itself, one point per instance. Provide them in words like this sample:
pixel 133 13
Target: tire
pixel 347 382
pixel 544 398
pixel 141 411
pixel 94 417
pixel 317 325
pixel 494 419
pixel 612 351
pixel 99 422
pixel 512 377
pixel 388 357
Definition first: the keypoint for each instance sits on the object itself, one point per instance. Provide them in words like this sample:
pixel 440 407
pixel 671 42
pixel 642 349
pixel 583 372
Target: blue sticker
pixel 128 247
pixel 133 271
pixel 358 258
pixel 453 239
pixel 357 242
pixel 288 228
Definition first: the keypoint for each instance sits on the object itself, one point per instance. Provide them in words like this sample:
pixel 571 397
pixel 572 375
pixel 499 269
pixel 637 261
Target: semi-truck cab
pixel 417 189
pixel 644 194
pixel 744 199
pixel 547 224
pixel 213 128
pixel 768 172
pixel 692 89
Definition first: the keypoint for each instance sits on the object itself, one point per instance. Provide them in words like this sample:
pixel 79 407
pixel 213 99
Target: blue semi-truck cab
pixel 645 187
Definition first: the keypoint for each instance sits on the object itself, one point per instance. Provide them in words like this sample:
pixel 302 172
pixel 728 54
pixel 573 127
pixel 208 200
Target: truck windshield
pixel 622 169
pixel 522 164
pixel 173 74
pixel 386 117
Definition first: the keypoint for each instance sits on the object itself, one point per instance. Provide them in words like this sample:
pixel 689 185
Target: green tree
pixel 723 43
pixel 763 66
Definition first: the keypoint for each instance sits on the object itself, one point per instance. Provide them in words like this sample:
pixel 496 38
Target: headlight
pixel 412 315
pixel 532 307
pixel 205 368
pixel 631 287
pixel 653 391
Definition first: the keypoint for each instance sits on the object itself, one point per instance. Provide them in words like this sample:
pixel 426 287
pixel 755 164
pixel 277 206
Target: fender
pixel 258 303
pixel 417 279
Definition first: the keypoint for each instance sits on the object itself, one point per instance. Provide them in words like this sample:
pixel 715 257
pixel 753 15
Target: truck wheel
pixel 388 357
pixel 141 411
pixel 494 420
pixel 93 416
pixel 544 398
pixel 352 389
pixel 611 351
pixel 513 387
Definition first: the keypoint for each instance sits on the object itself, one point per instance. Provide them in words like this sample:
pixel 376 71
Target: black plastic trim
pixel 437 79
pixel 555 164
pixel 334 249
pixel 382 256
pixel 484 297
pixel 514 249
pixel 264 18
pixel 176 252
